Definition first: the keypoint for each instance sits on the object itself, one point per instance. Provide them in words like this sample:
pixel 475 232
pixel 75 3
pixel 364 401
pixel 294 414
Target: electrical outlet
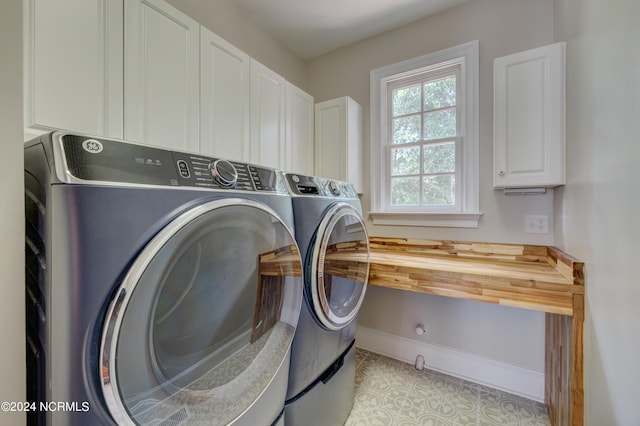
pixel 536 224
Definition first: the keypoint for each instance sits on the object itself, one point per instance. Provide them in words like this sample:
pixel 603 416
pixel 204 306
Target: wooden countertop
pixel 533 277
pixel 540 278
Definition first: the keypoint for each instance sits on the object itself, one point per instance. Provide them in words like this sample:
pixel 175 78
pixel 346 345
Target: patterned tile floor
pixel 391 392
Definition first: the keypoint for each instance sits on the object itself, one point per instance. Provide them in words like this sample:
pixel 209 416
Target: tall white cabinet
pixel 73 66
pixel 161 68
pixel 338 140
pixel 225 86
pixel 529 118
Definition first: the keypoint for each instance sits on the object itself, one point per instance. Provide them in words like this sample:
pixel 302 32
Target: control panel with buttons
pixel 114 161
pixel 319 186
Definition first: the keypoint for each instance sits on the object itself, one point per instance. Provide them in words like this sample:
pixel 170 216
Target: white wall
pixel 499 333
pixel 12 355
pixel 502 27
pixel 598 210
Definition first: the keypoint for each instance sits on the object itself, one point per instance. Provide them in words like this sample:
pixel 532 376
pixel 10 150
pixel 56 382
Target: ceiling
pixel 313 27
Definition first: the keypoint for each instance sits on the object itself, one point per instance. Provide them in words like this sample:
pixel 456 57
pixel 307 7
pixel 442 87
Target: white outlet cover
pixel 536 224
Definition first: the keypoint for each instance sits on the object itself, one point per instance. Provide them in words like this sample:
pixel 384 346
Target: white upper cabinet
pixel 529 118
pixel 267 116
pixel 281 122
pixel 299 131
pixel 142 70
pixel 225 83
pixel 161 69
pixel 338 140
pixel 73 66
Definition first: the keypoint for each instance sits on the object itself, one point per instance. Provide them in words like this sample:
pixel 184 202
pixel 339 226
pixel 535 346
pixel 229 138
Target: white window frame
pixel 466 212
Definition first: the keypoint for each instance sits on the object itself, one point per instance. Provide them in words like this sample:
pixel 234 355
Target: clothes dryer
pixel 162 287
pixel 332 237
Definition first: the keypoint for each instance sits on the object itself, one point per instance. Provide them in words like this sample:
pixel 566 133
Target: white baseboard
pixel 498 375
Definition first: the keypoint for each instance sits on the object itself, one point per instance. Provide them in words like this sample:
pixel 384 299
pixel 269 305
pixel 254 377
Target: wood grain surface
pixel 523 276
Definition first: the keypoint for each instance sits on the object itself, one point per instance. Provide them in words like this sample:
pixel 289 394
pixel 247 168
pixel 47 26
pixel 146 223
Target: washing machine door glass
pixel 204 317
pixel 337 266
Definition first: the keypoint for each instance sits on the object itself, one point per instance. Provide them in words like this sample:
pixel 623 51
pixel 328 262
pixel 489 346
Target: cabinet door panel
pixel 225 99
pixel 529 146
pixel 73 66
pixel 299 132
pixel 331 146
pixel 267 116
pixel 524 108
pixel 338 140
pixel 161 75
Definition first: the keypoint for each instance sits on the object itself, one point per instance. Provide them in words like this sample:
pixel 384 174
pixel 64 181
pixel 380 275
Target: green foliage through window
pixel 422 160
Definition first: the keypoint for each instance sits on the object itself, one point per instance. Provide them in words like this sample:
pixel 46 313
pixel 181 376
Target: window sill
pixel 446 220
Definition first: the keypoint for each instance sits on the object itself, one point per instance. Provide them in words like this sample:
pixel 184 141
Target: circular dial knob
pixel 334 188
pixel 223 172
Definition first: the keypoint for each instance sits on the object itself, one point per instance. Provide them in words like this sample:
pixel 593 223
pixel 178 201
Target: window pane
pixel 405 161
pixel 438 190
pixel 439 158
pixel 440 124
pixel 406 100
pixel 406 129
pixel 440 93
pixel 405 191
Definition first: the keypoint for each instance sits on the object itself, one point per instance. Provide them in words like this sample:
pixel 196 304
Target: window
pixel 422 138
pixel 424 142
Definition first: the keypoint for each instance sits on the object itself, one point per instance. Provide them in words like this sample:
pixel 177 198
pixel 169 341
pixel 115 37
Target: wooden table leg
pixel 564 374
pixel 577 383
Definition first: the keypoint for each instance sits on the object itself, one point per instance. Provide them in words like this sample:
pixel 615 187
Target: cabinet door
pixel 529 145
pixel 267 116
pixel 73 66
pixel 299 131
pixel 161 98
pixel 225 98
pixel 338 140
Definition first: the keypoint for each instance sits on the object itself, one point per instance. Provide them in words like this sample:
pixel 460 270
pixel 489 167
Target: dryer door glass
pixel 204 317
pixel 338 266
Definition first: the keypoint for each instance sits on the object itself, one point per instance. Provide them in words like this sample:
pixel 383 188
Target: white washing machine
pixel 332 237
pixel 163 288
